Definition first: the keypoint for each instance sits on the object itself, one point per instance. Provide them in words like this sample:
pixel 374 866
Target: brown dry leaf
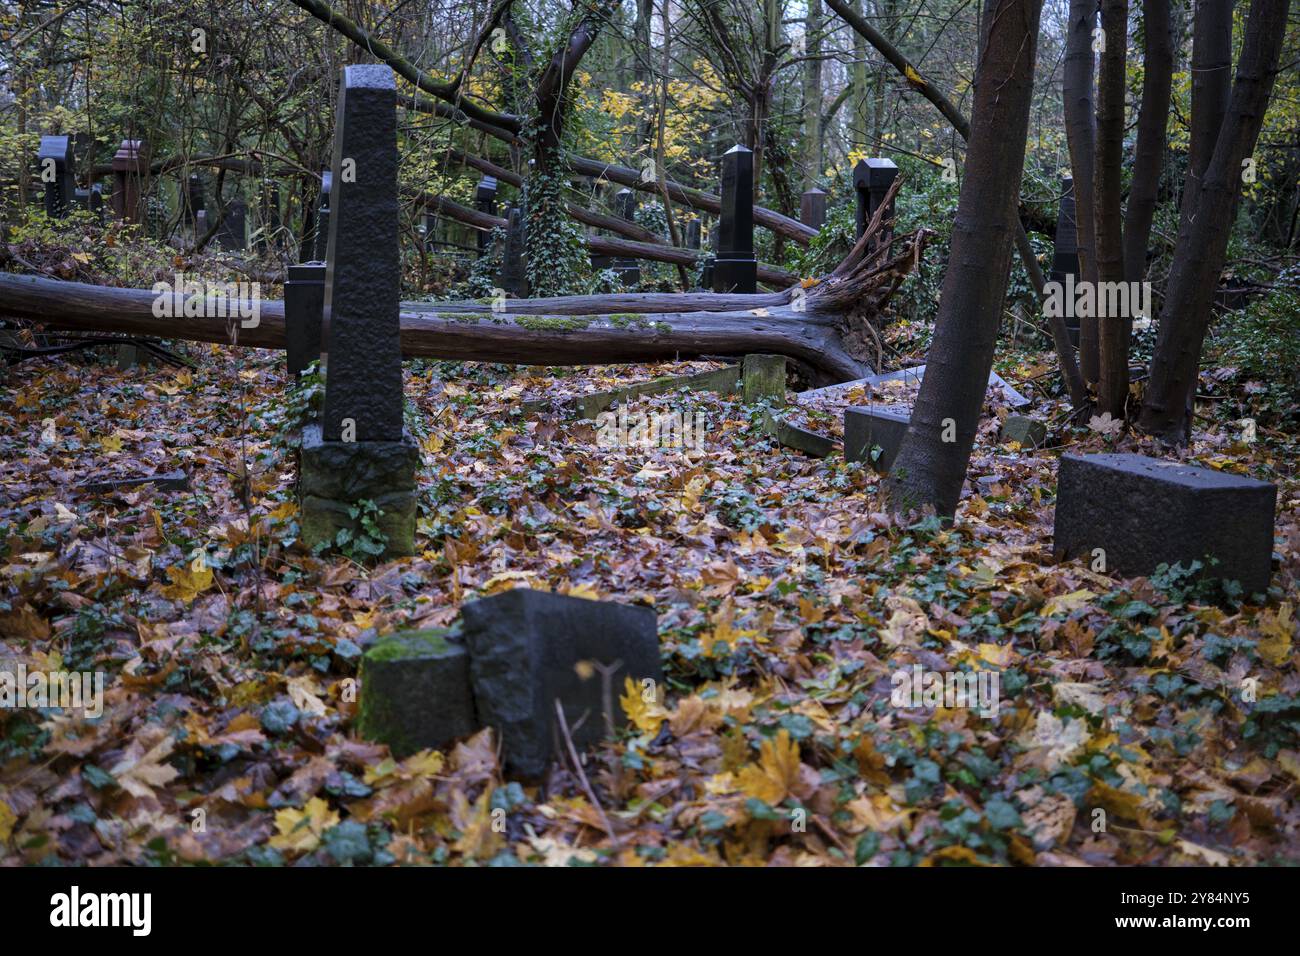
pixel 776 774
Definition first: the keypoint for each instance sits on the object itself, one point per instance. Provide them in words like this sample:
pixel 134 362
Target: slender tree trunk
pixel 1157 80
pixel 1203 242
pixel 931 464
pixel 1211 88
pixel 812 95
pixel 1113 331
pixel 859 116
pixel 1081 135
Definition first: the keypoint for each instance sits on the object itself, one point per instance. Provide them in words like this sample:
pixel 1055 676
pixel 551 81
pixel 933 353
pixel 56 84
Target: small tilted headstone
pixel 1029 432
pixel 529 649
pixel 1130 514
pixel 880 426
pixel 415 692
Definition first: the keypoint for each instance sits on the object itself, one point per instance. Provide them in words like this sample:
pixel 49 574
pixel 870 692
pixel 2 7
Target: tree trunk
pixel 1211 88
pixel 812 95
pixel 931 464
pixel 1081 136
pixel 1113 331
pixel 1203 241
pixel 1157 80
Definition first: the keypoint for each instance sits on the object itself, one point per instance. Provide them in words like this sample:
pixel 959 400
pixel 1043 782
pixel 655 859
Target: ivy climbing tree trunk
pixel 931 464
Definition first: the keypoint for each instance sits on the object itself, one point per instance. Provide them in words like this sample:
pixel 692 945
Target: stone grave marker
pixel 55 168
pixel 130 176
pixel 485 201
pixel 866 427
pixel 812 208
pixel 415 692
pixel 514 278
pixel 763 377
pixel 1135 513
pixel 734 267
pixel 232 234
pixel 871 181
pixel 304 307
pixel 628 270
pixel 529 648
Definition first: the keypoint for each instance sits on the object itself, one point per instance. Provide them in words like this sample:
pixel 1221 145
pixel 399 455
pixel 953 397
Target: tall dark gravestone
pixel 130 176
pixel 55 164
pixel 233 233
pixel 1065 257
pixel 359 450
pixel 304 307
pixel 693 234
pixel 629 270
pixel 323 217
pixel 734 268
pixel 485 201
pixel 514 277
pixel 871 181
pixel 193 199
pixel 812 208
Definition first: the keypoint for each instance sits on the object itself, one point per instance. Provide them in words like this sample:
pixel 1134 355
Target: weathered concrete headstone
pixel 529 648
pixel 359 450
pixel 415 692
pixel 628 270
pixel 323 217
pixel 812 208
pixel 763 377
pixel 130 176
pixel 1065 257
pixel 55 167
pixel 304 308
pixel 867 427
pixel 1135 513
pixel 514 278
pixel 871 181
pixel 232 235
pixel 201 223
pixel 1029 432
pixel 734 267
pixel 485 201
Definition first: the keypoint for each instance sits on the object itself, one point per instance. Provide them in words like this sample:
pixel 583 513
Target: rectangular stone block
pixel 529 648
pixel 864 428
pixel 1143 512
pixel 763 377
pixel 1029 432
pixel 415 692
pixel 304 306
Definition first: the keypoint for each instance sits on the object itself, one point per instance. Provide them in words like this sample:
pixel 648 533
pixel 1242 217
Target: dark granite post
pixel 693 234
pixel 359 450
pixel 1065 258
pixel 323 217
pixel 130 175
pixel 485 201
pixel 735 269
pixel 812 208
pixel 233 234
pixel 304 306
pixel 871 181
pixel 55 167
pixel 513 278
pixel 629 270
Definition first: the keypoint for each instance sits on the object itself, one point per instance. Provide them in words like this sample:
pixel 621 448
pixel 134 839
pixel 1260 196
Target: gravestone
pixel 415 692
pixel 232 234
pixel 359 450
pixel 812 208
pixel 1065 256
pixel 706 273
pixel 693 234
pixel 55 167
pixel 1136 513
pixel 130 176
pixel 485 201
pixel 323 217
pixel 734 267
pixel 871 181
pixel 628 270
pixel 763 377
pixel 1029 432
pixel 513 277
pixel 304 307
pixel 193 199
pixel 529 648
pixel 867 427
pixel 201 223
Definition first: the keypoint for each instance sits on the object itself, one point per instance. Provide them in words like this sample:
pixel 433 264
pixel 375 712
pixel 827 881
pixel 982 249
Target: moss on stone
pixel 431 642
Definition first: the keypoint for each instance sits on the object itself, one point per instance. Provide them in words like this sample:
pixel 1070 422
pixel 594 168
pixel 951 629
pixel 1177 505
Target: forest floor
pixel 786 599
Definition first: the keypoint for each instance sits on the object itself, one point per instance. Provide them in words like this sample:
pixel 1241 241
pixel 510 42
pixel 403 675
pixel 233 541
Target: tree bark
pixel 1149 155
pixel 1211 88
pixel 1081 136
pixel 1113 331
pixel 1203 241
pixel 931 464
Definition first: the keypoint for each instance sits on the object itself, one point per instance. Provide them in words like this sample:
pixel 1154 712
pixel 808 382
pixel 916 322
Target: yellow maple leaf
pixel 773 778
pixel 912 76
pixel 646 715
pixel 301 830
pixel 478 838
pixel 1277 628
pixel 138 774
pixel 186 583
pixel 111 443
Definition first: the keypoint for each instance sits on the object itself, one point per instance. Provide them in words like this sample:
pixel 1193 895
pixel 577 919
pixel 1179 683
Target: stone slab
pixel 866 427
pixel 763 377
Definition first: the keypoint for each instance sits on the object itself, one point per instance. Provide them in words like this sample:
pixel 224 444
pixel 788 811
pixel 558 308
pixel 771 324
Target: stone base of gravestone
pixel 763 377
pixel 1029 432
pixel 530 648
pixel 738 275
pixel 800 439
pixel 334 476
pixel 867 428
pixel 1143 512
pixel 415 692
